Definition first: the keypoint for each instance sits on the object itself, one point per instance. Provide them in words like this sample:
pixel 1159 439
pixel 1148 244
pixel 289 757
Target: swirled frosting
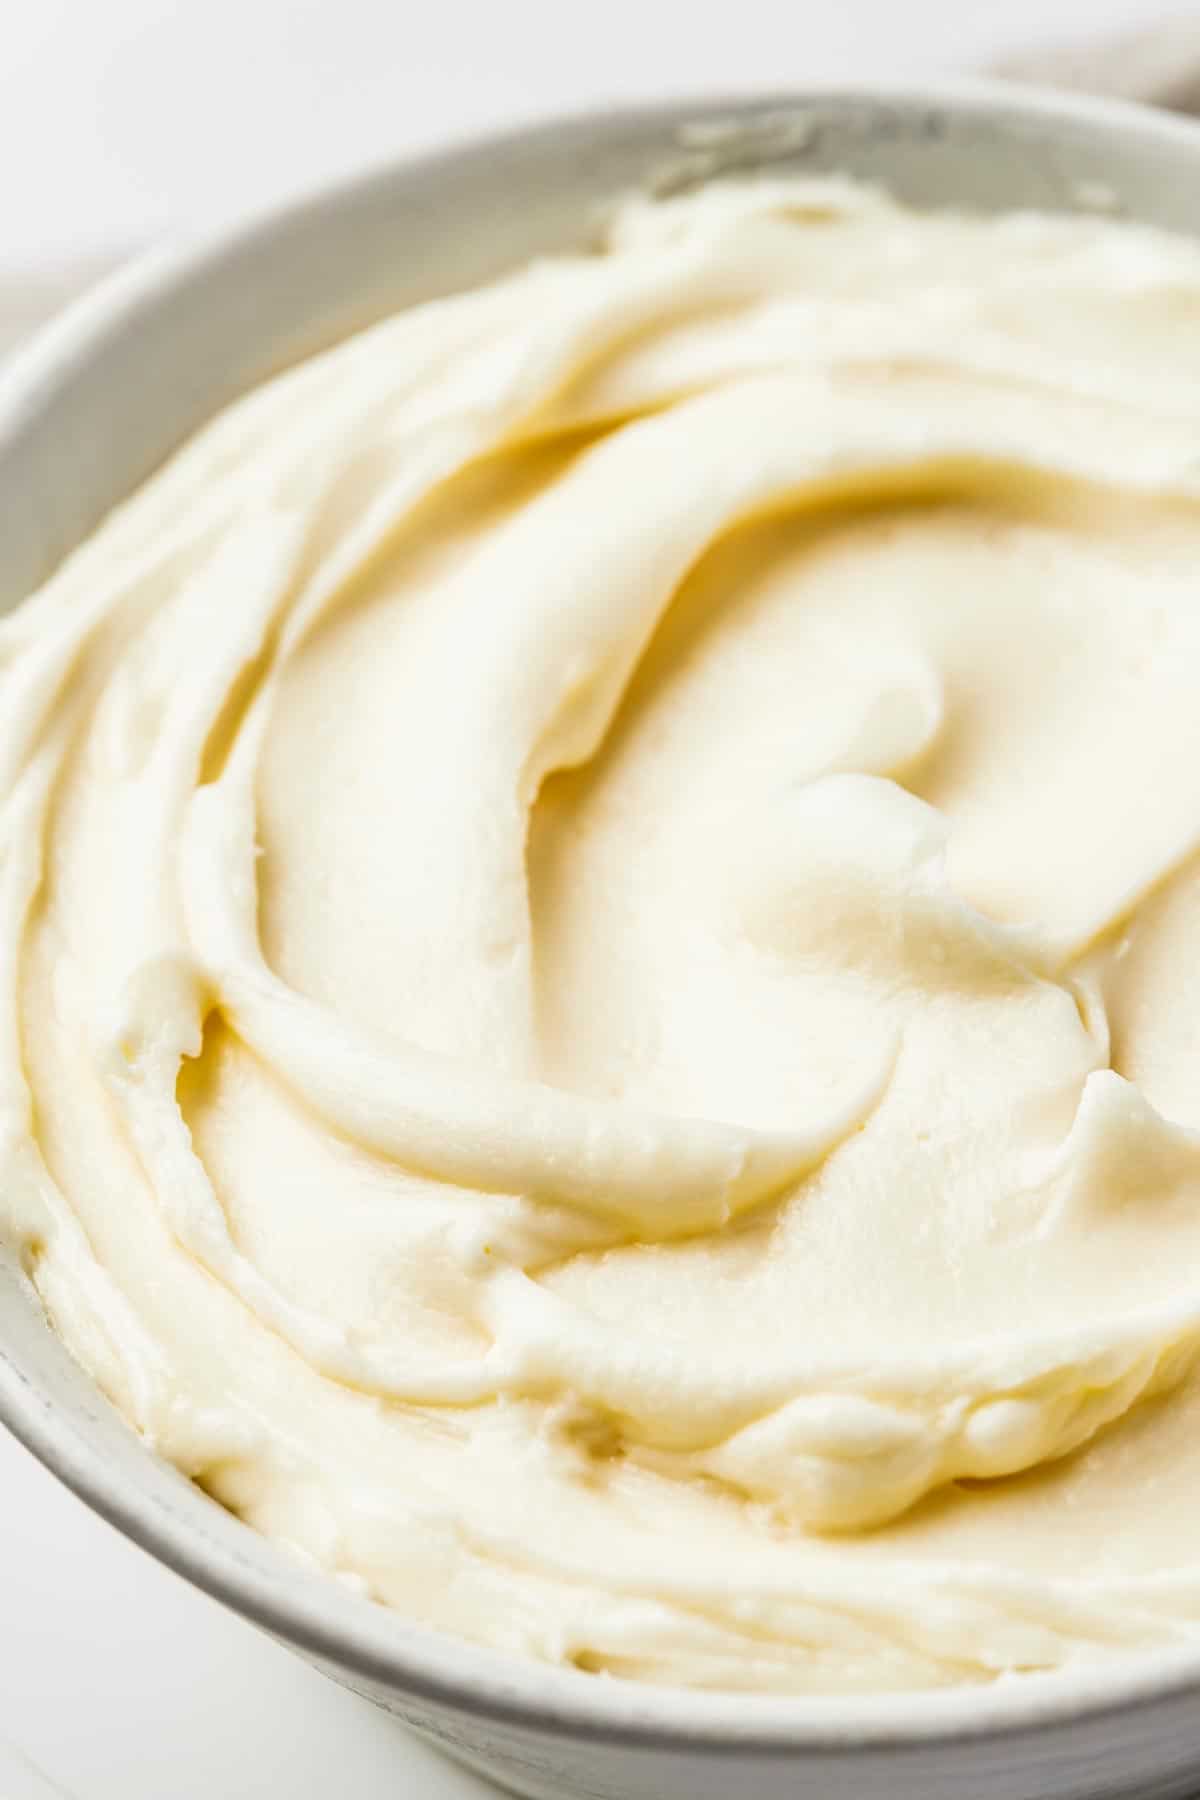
pixel 600 948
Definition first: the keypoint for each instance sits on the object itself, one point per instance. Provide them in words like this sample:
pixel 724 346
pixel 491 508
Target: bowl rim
pixel 311 1613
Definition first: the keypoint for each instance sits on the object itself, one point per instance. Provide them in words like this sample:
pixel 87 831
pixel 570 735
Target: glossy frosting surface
pixel 600 949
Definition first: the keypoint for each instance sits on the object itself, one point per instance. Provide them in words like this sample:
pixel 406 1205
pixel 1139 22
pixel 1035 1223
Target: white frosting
pixel 599 932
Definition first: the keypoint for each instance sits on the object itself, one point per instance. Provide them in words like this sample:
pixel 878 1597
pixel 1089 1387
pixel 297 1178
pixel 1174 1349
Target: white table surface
pixel 122 120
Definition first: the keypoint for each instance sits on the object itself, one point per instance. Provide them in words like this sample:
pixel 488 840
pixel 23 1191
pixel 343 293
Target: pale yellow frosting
pixel 600 949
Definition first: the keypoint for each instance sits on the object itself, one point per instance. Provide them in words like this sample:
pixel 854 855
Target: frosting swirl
pixel 597 914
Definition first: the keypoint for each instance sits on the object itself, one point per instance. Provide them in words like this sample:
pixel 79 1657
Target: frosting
pixel 599 916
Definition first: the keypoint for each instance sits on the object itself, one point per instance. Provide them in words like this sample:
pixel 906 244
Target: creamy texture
pixel 600 934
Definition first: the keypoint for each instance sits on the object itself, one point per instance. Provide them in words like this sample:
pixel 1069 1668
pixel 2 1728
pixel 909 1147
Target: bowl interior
pixel 106 393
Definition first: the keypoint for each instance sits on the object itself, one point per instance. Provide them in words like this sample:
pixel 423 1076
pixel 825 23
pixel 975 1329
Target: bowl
pixel 85 415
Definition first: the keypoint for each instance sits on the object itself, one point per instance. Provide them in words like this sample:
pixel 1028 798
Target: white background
pixel 123 120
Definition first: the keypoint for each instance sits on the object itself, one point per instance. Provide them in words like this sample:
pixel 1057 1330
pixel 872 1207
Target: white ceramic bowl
pixel 86 414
